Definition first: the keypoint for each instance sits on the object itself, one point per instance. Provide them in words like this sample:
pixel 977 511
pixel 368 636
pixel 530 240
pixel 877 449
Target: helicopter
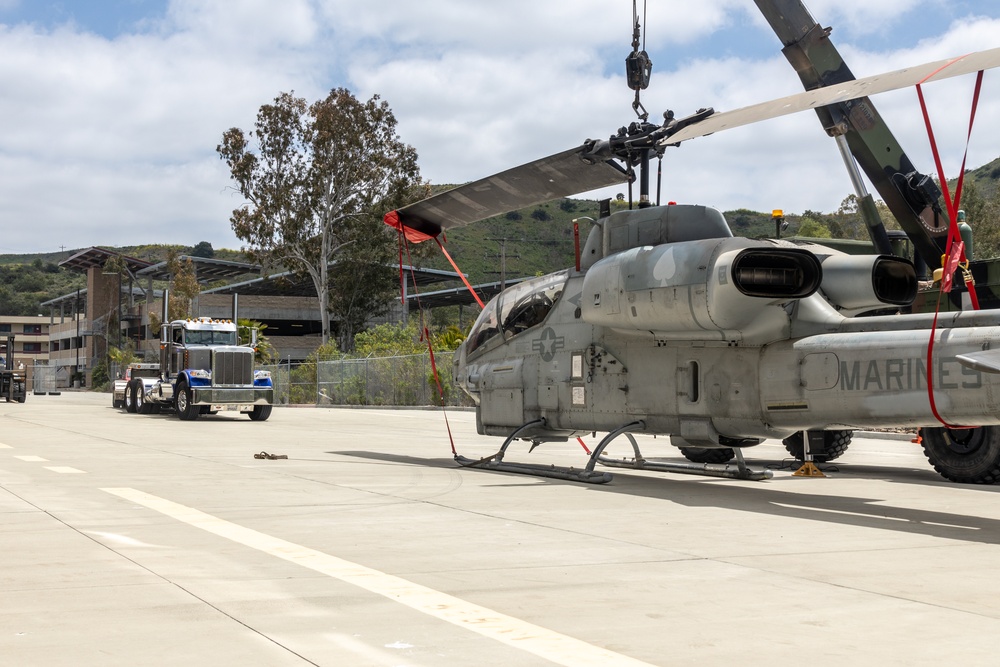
pixel 669 325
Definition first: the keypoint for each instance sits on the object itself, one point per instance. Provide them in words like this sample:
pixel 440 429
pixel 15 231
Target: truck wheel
pixel 186 409
pixel 707 454
pixel 835 443
pixel 130 396
pixel 141 405
pixel 260 413
pixel 964 455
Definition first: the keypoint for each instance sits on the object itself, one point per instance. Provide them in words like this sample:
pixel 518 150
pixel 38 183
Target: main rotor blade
pixel 559 175
pixel 840 92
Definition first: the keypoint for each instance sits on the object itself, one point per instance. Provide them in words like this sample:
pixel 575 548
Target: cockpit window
pixel 520 308
pixel 485 327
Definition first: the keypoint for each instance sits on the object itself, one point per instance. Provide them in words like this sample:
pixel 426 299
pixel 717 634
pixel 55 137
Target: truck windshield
pixel 209 337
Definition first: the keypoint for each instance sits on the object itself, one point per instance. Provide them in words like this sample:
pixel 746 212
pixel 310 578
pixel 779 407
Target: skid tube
pixel 740 471
pixel 497 464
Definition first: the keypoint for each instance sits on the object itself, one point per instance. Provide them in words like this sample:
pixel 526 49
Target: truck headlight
pixel 200 377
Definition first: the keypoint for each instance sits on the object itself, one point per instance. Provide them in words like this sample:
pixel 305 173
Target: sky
pixel 111 110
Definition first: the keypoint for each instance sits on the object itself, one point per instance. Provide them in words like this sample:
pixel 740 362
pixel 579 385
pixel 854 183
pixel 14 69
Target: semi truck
pixel 202 370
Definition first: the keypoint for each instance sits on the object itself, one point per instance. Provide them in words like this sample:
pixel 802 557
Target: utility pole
pixel 503 260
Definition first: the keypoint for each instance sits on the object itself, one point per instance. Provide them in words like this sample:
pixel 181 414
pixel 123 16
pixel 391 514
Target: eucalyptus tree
pixel 317 179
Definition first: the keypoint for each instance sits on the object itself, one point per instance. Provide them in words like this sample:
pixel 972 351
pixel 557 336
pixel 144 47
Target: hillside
pixel 27 280
pixel 536 240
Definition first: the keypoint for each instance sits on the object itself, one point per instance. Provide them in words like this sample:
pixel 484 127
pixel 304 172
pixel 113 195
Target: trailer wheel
pixel 260 413
pixel 835 443
pixel 130 396
pixel 964 455
pixel 707 454
pixel 186 409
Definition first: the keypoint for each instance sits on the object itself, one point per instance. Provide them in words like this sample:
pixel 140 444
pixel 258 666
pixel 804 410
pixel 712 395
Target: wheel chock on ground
pixel 808 469
pixel 265 455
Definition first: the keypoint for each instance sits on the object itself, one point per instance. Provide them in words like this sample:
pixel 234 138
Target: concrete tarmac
pixel 145 540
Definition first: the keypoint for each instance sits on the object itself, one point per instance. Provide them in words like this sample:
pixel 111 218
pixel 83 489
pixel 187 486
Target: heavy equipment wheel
pixel 186 410
pixel 707 454
pixel 130 396
pixel 964 455
pixel 835 443
pixel 260 413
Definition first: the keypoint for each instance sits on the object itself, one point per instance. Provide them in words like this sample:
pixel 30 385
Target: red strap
pixel 955 248
pixel 461 275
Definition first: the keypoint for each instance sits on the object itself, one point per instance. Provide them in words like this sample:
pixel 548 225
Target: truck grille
pixel 233 367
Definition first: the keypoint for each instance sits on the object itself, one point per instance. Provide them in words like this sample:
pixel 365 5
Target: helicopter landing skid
pixel 739 471
pixel 554 472
pixel 497 464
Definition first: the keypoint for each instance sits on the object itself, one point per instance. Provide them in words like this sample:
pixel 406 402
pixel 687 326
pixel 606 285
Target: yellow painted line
pixel 556 647
pixel 65 470
pixel 31 459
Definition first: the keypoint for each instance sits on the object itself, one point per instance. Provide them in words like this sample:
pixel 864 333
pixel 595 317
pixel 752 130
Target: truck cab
pixel 205 369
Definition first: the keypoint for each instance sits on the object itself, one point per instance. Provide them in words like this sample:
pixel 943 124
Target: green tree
pixel 264 352
pixel 389 340
pixel 184 285
pixel 203 249
pixel 811 228
pixel 317 185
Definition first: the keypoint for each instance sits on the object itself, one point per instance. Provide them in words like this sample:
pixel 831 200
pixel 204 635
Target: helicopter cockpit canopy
pixel 517 309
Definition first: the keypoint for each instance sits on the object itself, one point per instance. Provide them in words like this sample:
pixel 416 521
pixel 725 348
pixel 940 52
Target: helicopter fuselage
pixel 720 341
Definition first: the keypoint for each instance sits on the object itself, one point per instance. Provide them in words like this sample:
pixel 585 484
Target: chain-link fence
pixel 43 379
pixel 404 380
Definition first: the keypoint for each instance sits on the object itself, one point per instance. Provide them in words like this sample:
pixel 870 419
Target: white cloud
pixel 112 140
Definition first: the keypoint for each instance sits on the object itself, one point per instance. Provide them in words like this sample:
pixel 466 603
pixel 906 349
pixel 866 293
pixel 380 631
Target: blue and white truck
pixel 203 369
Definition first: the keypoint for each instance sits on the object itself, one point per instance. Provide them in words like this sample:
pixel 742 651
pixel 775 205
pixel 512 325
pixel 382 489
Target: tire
pixel 141 405
pixel 966 456
pixel 708 455
pixel 115 403
pixel 186 410
pixel 835 443
pixel 260 413
pixel 130 396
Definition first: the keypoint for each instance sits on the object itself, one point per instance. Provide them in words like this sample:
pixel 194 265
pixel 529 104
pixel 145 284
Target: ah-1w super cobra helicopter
pixel 670 325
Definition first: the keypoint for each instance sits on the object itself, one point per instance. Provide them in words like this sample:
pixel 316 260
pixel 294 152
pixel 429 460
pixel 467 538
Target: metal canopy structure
pixel 71 297
pixel 457 296
pixel 207 270
pixel 98 257
pixel 289 284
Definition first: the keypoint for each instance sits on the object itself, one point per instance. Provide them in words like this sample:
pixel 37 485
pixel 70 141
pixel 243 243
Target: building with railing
pixel 32 343
pixel 120 304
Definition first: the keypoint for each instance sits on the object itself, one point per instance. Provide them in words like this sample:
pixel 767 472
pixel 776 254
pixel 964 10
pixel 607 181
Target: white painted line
pixel 949 525
pixel 830 511
pixel 3 446
pixel 65 470
pixel 33 459
pixel 558 648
